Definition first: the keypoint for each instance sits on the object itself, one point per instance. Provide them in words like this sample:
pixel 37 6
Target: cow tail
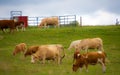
pixel 63 53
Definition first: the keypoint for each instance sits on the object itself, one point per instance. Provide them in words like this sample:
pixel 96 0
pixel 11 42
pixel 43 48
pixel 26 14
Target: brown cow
pixel 4 24
pixel 91 58
pixel 19 48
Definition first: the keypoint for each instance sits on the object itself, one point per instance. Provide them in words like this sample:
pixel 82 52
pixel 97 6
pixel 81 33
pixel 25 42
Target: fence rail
pixel 63 20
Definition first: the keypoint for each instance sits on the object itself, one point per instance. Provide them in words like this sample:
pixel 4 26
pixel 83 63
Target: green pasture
pixel 18 65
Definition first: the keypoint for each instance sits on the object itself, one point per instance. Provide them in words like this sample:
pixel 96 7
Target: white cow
pixel 74 44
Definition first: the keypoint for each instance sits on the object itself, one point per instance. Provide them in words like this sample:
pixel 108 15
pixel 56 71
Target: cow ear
pixel 37 47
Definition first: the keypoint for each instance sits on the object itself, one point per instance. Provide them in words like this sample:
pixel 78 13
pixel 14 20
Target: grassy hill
pixel 18 65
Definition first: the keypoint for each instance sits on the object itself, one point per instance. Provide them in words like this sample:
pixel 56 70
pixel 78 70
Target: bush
pixel 74 23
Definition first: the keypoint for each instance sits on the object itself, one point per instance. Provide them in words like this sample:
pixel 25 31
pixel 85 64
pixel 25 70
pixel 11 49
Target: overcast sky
pixel 93 12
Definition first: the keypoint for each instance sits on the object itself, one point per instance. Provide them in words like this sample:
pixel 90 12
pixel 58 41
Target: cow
pixel 90 43
pixel 20 48
pixel 5 24
pixel 49 21
pixel 47 52
pixel 20 24
pixel 91 58
pixel 74 44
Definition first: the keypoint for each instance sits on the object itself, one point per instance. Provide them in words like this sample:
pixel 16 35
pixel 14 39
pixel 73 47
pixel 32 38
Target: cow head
pixel 14 53
pixel 31 50
pixel 75 67
pixel 27 53
pixel 80 60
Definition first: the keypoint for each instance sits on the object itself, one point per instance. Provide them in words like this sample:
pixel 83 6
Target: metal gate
pixel 63 20
pixel 67 20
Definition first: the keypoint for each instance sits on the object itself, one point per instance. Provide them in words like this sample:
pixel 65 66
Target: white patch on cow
pixel 78 55
pixel 15 20
pixel 100 52
pixel 103 65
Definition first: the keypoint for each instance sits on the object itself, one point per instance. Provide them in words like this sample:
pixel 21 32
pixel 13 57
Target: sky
pixel 93 12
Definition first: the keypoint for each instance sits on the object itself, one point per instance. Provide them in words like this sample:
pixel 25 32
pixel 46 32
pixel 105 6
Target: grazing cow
pixel 91 58
pixel 31 50
pixel 50 21
pixel 49 52
pixel 74 44
pixel 19 48
pixel 4 24
pixel 20 24
pixel 94 43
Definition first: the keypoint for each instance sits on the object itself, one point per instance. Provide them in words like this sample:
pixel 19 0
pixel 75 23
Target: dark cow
pixel 4 24
pixel 11 24
pixel 91 58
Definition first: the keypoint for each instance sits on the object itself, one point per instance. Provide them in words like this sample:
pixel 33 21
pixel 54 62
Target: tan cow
pixel 47 52
pixel 19 48
pixel 49 21
pixel 91 58
pixel 91 43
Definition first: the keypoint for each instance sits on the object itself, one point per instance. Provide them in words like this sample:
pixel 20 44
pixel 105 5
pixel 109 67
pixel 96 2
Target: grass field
pixel 18 65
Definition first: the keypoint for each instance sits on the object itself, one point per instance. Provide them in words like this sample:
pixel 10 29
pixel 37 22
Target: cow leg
pixel 11 30
pixel 80 69
pixel 3 30
pixel 43 59
pixel 23 27
pixel 103 64
pixel 59 59
pixel 86 66
pixel 32 59
pixel 17 28
pixel 86 50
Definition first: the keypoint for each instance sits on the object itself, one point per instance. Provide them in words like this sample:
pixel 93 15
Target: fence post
pixel 80 21
pixel 75 21
pixel 117 22
pixel 37 20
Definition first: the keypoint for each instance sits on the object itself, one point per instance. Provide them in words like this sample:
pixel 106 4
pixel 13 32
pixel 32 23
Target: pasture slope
pixel 18 65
